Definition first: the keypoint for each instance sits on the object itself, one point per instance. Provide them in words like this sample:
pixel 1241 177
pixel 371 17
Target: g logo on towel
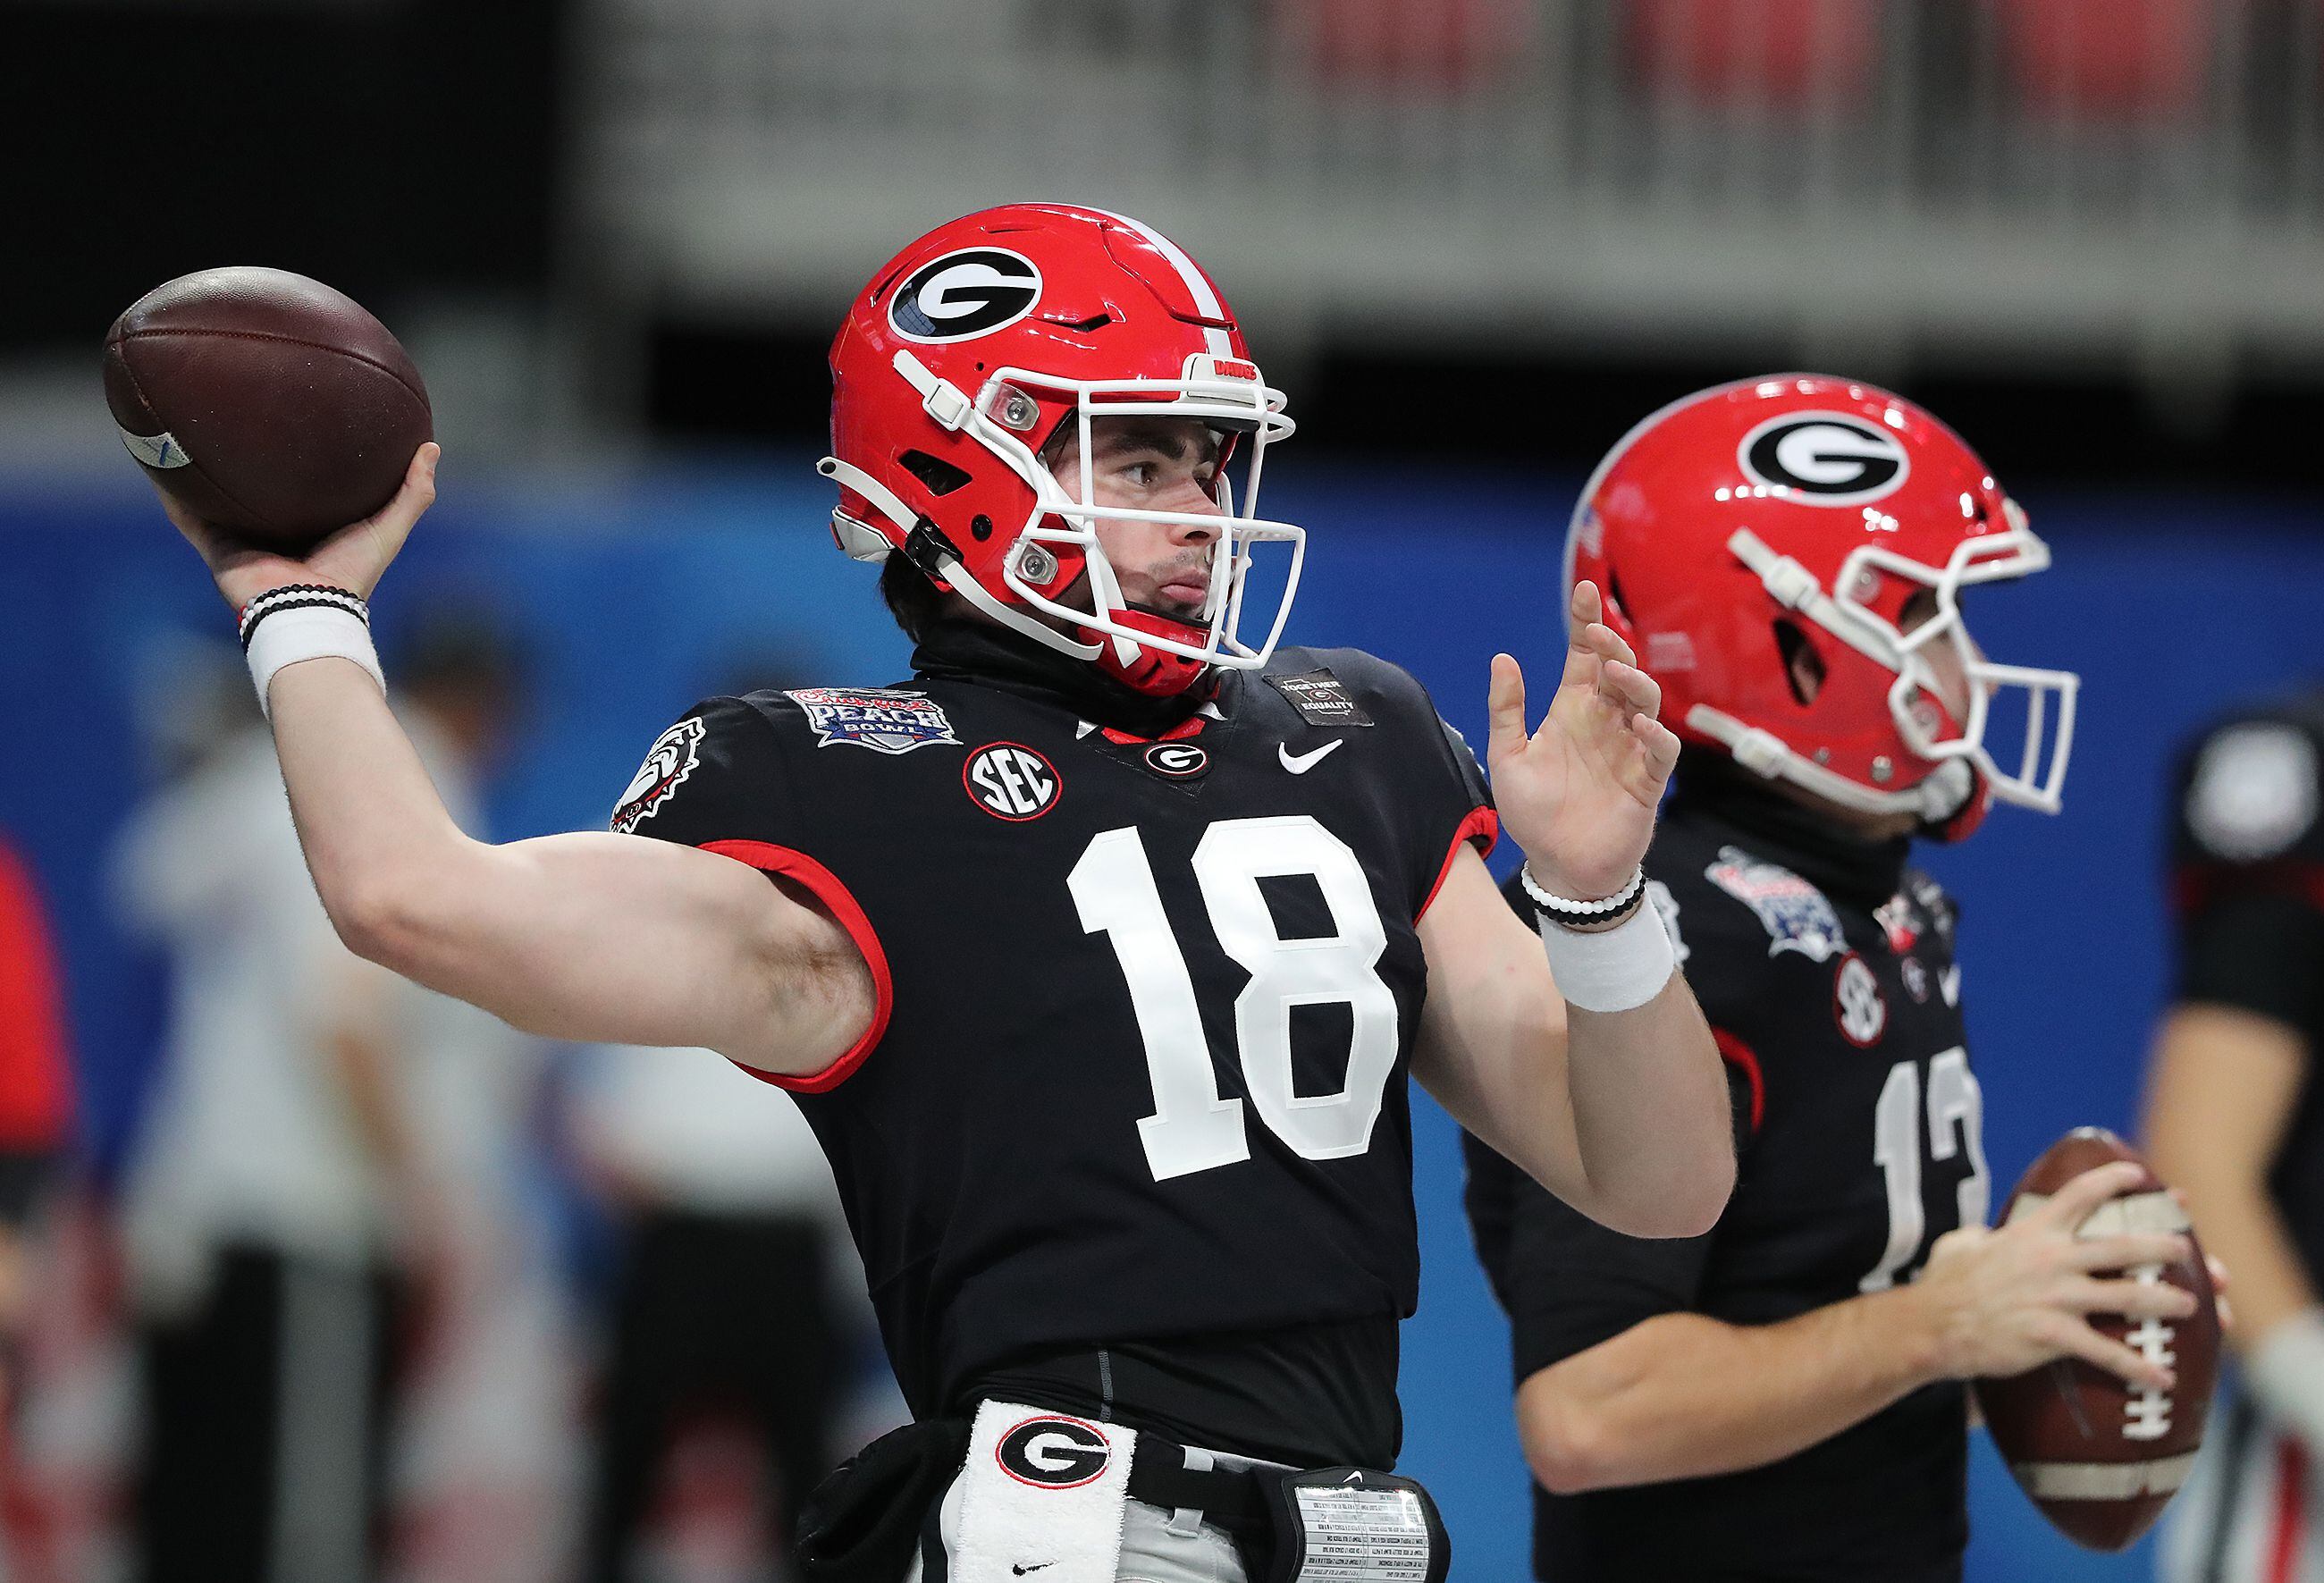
pixel 1053 1452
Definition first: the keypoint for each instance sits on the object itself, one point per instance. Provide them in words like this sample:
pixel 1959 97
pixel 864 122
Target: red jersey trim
pixel 1190 726
pixel 1482 826
pixel 828 890
pixel 1736 1052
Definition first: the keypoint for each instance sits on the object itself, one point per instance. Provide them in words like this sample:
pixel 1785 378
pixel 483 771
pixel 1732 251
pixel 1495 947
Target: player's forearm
pixel 1685 1396
pixel 2240 1226
pixel 377 837
pixel 2222 1091
pixel 1651 1114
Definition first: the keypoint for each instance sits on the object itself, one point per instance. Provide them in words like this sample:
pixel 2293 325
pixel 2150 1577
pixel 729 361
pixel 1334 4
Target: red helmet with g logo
pixel 1758 544
pixel 968 352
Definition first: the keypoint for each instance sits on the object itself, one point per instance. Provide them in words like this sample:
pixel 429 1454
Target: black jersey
pixel 1146 1005
pixel 1825 968
pixel 2249 854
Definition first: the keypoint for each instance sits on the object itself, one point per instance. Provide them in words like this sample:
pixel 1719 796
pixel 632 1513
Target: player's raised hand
pixel 1579 795
pixel 2013 1298
pixel 352 559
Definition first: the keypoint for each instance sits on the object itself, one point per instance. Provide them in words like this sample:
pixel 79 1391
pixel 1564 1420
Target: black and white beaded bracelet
pixel 300 597
pixel 1584 914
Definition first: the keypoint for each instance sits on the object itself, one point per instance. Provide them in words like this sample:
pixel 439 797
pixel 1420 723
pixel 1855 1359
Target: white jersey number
pixel 1956 1124
pixel 1192 1128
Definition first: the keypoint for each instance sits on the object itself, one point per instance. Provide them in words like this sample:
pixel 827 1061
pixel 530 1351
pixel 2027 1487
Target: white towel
pixel 1042 1497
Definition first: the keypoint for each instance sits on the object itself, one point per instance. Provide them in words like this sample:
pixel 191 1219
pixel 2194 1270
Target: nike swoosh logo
pixel 1301 763
pixel 1036 1566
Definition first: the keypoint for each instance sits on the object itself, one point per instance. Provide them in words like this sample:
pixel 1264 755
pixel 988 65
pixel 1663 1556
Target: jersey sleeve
pixel 2249 885
pixel 1440 783
pixel 718 779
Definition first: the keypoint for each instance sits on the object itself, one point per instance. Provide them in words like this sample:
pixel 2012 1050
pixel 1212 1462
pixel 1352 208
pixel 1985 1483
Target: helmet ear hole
pixel 1803 668
pixel 1616 605
pixel 940 476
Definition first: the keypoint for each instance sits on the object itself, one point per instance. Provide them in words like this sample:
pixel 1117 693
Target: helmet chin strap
pixel 891 506
pixel 1937 799
pixel 1156 672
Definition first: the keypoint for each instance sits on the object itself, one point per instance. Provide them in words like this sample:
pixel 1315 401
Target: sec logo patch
pixel 1857 1003
pixel 1011 781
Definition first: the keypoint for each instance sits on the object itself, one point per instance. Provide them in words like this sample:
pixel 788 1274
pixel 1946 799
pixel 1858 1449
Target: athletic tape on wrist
pixel 2285 1373
pixel 285 626
pixel 1620 970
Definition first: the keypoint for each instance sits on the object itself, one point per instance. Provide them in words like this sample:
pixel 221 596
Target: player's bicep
pixel 620 939
pixel 1491 1044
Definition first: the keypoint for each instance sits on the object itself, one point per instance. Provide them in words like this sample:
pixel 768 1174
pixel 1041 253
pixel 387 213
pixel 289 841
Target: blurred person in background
pixel 1784 1397
pixel 2234 1119
pixel 35 1116
pixel 737 1297
pixel 309 1178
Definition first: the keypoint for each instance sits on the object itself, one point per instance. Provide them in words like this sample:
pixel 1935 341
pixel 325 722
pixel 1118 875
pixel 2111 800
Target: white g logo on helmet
pixel 970 293
pixel 1824 458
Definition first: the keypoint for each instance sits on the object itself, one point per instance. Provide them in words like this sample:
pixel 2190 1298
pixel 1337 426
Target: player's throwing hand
pixel 352 559
pixel 1579 794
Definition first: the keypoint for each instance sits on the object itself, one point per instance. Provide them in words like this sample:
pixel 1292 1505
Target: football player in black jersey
pixel 1099 950
pixel 1782 1398
pixel 2235 1120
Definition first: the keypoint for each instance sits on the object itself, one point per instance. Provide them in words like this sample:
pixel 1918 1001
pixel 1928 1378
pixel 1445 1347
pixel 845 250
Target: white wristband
pixel 319 631
pixel 2285 1374
pixel 1616 971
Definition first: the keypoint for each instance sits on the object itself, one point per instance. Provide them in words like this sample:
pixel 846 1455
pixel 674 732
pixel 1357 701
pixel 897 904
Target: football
pixel 265 402
pixel 2099 1456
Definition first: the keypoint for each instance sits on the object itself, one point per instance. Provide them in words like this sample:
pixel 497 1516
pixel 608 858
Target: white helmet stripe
pixel 1204 298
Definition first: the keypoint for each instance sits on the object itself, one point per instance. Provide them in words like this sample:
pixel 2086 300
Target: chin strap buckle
pixel 1761 751
pixel 941 396
pixel 927 547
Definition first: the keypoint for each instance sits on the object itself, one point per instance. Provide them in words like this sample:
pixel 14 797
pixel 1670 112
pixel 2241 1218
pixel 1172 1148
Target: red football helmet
pixel 1786 522
pixel 964 356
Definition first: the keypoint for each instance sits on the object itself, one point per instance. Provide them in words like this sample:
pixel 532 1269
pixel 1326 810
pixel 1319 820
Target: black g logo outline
pixel 1825 458
pixel 1053 1452
pixel 968 292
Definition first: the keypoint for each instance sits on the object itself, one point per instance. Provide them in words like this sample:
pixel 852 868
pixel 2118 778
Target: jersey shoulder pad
pixel 1349 687
pixel 1344 686
pixel 1736 905
pixel 892 720
pixel 713 775
pixel 2251 787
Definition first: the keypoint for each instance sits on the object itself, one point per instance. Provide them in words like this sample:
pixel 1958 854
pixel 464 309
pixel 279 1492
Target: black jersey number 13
pixel 1192 1128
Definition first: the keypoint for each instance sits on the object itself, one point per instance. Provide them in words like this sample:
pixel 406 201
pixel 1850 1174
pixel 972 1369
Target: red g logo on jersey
pixel 1011 781
pixel 1053 1453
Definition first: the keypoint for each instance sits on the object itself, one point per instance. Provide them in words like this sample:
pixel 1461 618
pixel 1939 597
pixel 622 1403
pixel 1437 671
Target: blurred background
pixel 1475 239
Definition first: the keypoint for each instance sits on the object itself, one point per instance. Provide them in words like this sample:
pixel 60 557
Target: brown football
pixel 264 401
pixel 2099 1456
